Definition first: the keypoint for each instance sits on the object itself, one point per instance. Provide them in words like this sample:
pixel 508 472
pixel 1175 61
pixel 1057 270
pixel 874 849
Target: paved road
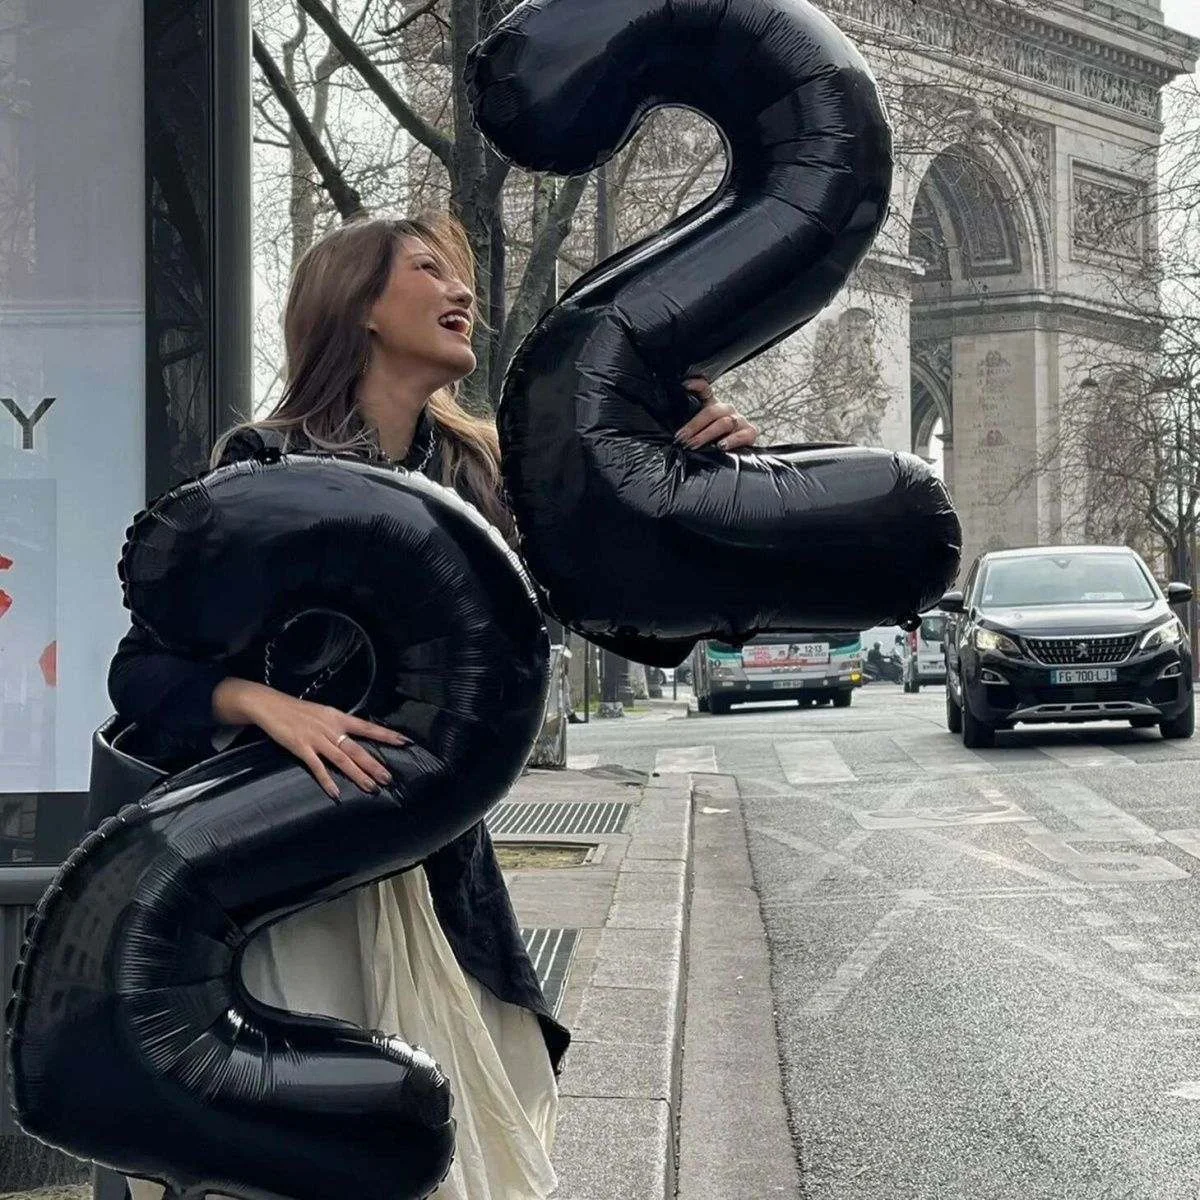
pixel 986 963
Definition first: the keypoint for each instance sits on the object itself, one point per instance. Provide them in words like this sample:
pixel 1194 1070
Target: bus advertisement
pixel 810 668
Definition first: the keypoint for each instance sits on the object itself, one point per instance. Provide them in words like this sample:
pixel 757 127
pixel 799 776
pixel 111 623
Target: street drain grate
pixel 558 818
pixel 551 951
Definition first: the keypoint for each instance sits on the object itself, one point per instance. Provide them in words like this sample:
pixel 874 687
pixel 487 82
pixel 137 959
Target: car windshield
pixel 932 627
pixel 1065 579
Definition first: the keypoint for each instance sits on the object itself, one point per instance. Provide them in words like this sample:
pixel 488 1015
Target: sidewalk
pixel 623 998
pixel 639 1117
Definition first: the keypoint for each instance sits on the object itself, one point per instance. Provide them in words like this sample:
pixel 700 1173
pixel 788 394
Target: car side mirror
pixel 1178 593
pixel 951 602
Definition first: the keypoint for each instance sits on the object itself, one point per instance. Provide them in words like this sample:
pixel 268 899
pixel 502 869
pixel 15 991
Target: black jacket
pixel 170 697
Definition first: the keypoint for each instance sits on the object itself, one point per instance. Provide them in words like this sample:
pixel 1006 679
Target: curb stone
pixel 619 1093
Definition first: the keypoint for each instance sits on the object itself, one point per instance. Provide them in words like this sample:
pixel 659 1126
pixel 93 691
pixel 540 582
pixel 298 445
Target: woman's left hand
pixel 715 422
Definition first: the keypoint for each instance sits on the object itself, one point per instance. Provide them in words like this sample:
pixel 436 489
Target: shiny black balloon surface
pixel 639 544
pixel 132 1039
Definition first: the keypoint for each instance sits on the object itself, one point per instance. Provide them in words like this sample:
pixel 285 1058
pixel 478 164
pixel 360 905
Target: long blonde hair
pixel 333 288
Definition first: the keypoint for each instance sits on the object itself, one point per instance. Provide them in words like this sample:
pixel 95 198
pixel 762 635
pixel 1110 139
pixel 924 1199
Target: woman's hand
pixel 714 421
pixel 315 733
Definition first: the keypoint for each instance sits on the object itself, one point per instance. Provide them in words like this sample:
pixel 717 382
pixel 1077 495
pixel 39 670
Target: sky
pixel 1183 14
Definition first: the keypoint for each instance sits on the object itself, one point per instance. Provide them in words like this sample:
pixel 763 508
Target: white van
pixel 926 658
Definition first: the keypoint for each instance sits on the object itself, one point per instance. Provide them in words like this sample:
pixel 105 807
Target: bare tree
pixel 359 94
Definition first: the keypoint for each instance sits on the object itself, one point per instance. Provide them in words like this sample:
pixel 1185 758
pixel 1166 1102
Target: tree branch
pixel 347 200
pixel 531 293
pixel 408 19
pixel 407 117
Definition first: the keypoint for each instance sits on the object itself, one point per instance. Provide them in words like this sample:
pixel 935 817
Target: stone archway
pixel 974 370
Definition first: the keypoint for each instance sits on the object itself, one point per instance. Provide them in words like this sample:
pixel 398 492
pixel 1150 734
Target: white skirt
pixel 378 957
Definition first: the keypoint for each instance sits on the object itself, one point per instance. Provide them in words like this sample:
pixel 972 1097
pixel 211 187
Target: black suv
pixel 1073 633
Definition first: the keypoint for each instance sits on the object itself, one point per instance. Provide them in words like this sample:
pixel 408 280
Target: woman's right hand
pixel 312 732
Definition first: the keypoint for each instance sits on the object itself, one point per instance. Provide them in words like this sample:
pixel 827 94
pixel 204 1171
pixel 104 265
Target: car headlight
pixel 1169 633
pixel 989 640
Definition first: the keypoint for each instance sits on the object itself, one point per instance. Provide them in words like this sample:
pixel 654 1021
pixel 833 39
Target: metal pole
pixel 587 680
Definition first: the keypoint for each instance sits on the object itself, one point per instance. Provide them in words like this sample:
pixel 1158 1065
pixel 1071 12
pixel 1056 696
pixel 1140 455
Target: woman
pixel 377 330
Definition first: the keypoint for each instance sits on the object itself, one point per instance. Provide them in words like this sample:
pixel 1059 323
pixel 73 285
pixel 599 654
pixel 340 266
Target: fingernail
pixel 724 443
pixel 387 777
pixel 336 794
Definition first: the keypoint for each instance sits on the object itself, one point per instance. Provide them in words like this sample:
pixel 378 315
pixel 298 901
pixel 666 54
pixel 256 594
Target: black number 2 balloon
pixel 132 1039
pixel 641 545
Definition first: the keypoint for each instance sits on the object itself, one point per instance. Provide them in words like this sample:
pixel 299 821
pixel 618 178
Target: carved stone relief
pixel 1035 142
pixel 964 37
pixel 1108 213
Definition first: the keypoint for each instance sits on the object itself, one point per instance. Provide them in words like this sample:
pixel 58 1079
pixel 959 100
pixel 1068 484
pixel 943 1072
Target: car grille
pixel 1065 652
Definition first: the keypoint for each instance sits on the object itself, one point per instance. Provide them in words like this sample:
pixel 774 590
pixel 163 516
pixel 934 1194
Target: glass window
pixel 933 627
pixel 72 363
pixel 1065 579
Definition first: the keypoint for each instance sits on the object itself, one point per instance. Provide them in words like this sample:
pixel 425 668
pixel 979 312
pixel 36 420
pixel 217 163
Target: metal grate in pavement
pixel 551 951
pixel 558 818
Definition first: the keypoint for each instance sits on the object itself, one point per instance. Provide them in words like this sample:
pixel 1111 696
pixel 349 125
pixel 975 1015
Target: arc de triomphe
pixel 1021 230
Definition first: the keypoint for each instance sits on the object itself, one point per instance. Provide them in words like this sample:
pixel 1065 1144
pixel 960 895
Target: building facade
pixel 1021 244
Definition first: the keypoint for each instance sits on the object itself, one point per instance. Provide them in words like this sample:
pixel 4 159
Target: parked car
pixel 1075 633
pixel 925 657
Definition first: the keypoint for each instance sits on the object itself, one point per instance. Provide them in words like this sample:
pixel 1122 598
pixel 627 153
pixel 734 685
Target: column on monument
pixel 996 382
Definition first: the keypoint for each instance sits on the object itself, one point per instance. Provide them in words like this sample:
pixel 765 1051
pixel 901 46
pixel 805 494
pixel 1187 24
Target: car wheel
pixel 718 705
pixel 953 713
pixel 1182 726
pixel 1143 722
pixel 976 734
pixel 702 703
pixel 843 699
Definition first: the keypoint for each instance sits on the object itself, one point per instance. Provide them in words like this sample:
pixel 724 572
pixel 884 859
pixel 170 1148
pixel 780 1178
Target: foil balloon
pixel 642 545
pixel 132 1039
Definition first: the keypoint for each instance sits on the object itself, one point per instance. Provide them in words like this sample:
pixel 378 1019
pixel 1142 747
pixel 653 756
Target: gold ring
pixel 341 739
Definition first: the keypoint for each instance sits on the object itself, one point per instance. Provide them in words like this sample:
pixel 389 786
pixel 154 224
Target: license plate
pixel 782 683
pixel 1085 675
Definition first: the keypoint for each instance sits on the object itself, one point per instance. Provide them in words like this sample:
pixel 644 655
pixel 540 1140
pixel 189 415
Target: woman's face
pixel 423 320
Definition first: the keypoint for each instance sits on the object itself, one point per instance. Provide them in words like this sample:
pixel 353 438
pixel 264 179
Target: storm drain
pixel 551 951
pixel 558 818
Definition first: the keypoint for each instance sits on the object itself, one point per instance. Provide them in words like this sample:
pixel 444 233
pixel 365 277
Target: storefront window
pixel 72 367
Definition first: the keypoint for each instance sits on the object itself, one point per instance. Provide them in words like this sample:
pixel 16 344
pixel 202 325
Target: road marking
pixel 1125 945
pixel 686 760
pixel 1188 1089
pixel 1076 756
pixel 1153 972
pixel 828 858
pixel 979 812
pixel 829 997
pixel 1188 840
pixel 1101 866
pixel 812 760
pixel 941 754
pixel 1160 1005
pixel 582 762
pixel 1091 814
pixel 992 859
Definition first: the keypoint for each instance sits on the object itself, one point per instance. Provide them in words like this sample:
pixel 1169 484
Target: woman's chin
pixel 460 364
